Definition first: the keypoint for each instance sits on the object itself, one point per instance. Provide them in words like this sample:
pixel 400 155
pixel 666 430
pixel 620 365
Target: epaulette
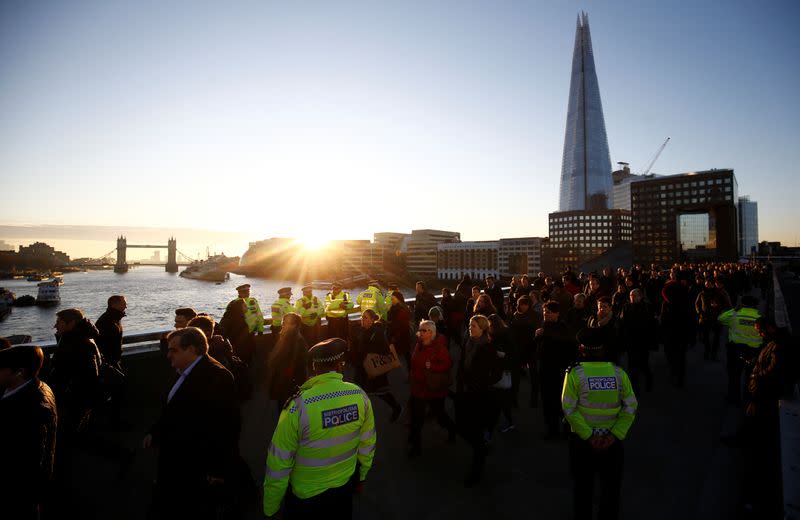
pixel 291 399
pixel 571 366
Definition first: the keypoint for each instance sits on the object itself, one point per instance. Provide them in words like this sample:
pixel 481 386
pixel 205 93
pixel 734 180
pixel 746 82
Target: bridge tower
pixel 122 248
pixel 172 259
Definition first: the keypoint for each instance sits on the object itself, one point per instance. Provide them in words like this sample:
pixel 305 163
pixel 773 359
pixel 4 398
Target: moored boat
pixel 214 269
pixel 49 293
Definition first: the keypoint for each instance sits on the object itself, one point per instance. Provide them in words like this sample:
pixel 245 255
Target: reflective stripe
pixel 366 450
pixel 280 453
pixel 600 406
pixel 325 461
pixel 630 400
pixel 598 418
pixel 279 473
pixel 570 411
pixel 368 434
pixel 305 424
pixel 330 443
pixel 629 409
pixel 568 400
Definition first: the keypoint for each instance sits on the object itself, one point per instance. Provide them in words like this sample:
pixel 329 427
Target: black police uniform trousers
pixel 331 504
pixel 737 355
pixel 585 464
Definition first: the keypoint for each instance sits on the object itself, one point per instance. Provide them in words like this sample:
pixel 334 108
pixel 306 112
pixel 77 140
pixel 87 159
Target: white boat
pixel 213 269
pixel 49 293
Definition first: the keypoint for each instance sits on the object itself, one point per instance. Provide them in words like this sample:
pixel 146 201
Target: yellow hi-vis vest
pixel 321 435
pixel 338 306
pixel 253 315
pixel 310 310
pixel 742 326
pixel 598 399
pixel 280 308
pixel 371 298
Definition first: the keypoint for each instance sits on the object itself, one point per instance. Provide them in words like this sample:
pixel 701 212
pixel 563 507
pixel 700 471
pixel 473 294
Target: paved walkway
pixel 675 465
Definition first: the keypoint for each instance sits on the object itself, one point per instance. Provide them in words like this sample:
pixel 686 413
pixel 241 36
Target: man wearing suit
pixel 27 435
pixel 198 431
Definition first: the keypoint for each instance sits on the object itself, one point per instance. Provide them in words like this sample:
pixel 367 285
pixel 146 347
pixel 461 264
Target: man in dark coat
pixel 28 433
pixel 74 370
pixel 197 433
pixel 555 350
pixel 109 325
pixel 638 332
pixel 496 294
pixel 423 302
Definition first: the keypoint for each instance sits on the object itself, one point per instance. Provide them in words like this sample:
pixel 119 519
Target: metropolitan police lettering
pixel 603 383
pixel 339 416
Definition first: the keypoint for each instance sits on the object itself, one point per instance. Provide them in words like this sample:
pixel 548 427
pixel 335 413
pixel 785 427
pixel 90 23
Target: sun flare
pixel 314 242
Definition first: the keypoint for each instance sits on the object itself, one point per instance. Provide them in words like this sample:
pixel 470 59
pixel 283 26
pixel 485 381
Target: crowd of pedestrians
pixel 572 338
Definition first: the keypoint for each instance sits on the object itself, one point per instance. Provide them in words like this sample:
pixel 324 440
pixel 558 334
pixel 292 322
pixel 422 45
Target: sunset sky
pixel 339 119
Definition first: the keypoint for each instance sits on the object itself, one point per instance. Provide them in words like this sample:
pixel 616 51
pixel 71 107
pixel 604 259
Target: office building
pixel 579 237
pixel 685 217
pixel 421 258
pixel 586 163
pixel 748 226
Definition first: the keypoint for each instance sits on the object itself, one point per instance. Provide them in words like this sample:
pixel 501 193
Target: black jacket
pixel 638 327
pixel 523 328
pixel 198 431
pixel 422 304
pixel 74 372
pixel 109 325
pixel 370 341
pixel 27 447
pixel 479 367
pixel 496 294
pixel 555 349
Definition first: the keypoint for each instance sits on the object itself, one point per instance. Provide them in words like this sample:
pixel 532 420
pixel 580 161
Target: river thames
pixel 152 295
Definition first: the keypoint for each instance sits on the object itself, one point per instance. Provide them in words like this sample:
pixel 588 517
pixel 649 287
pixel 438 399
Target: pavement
pixel 675 464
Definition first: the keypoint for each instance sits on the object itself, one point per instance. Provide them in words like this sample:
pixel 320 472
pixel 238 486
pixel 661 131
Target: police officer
pixel 252 314
pixel 338 305
pixel 387 300
pixel 311 310
pixel 371 298
pixel 744 342
pixel 600 406
pixel 280 308
pixel 324 443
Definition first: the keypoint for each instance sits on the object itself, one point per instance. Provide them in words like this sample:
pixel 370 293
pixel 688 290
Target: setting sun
pixel 314 242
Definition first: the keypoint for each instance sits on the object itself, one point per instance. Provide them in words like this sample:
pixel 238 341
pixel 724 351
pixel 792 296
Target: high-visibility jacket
pixel 338 306
pixel 742 326
pixel 387 304
pixel 253 315
pixel 598 399
pixel 280 308
pixel 310 310
pixel 321 435
pixel 371 298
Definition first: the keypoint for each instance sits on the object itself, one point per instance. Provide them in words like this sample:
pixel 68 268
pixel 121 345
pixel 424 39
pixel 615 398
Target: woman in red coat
pixel 429 375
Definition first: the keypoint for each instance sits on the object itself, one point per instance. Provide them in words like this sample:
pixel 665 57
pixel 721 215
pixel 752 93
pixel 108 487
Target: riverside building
pixel 685 217
pixel 748 226
pixel 421 259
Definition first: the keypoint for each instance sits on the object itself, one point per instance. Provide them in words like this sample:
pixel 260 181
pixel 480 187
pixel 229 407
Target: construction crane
pixel 655 157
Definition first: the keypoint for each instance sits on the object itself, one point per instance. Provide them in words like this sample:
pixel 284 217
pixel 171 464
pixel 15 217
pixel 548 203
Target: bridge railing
pixel 140 342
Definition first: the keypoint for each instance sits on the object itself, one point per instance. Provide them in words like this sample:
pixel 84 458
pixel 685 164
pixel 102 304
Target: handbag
pixel 437 381
pixel 505 381
pixel 378 364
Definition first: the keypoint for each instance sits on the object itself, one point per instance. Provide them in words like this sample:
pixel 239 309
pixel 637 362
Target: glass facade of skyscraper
pixel 748 226
pixel 586 164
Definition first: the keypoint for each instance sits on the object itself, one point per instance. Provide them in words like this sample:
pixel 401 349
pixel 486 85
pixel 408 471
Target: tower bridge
pixel 171 266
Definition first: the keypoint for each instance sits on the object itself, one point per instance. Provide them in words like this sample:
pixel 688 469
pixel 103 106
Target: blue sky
pixel 339 119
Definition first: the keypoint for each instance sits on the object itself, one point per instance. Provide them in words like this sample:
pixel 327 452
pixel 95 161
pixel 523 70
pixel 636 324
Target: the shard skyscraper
pixel 586 165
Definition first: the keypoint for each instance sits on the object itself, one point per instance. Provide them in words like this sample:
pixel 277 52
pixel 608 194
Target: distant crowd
pixel 582 342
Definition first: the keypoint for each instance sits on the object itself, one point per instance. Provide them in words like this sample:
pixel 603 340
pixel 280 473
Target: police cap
pixel 336 285
pixel 245 287
pixel 307 288
pixel 328 351
pixel 749 301
pixel 590 339
pixel 393 285
pixel 374 282
pixel 285 290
